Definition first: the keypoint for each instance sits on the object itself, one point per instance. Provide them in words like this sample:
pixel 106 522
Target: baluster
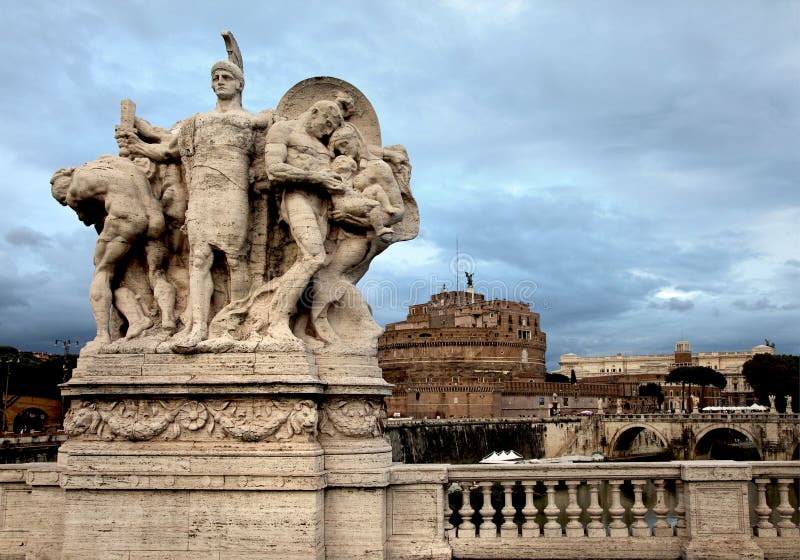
pixel 574 527
pixel 529 527
pixel 595 528
pixel 488 530
pixel 661 528
pixel 764 528
pixel 508 529
pixel 617 527
pixel 448 513
pixel 552 528
pixel 467 529
pixel 639 526
pixel 785 526
pixel 680 510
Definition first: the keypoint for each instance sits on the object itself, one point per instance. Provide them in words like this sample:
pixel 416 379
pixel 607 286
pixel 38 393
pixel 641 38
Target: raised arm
pixel 165 146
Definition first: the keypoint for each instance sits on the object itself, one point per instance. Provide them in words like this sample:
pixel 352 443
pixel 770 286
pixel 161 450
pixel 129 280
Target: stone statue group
pixel 235 231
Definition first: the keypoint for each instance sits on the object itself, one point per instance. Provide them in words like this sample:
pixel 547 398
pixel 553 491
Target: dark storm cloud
pixel 24 236
pixel 674 304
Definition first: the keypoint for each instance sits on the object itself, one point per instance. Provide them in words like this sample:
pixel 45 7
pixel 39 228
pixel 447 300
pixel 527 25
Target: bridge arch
pixel 29 420
pixel 622 438
pixel 725 434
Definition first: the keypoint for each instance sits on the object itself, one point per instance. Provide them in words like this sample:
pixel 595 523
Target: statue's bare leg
pixel 163 290
pixel 237 269
pixel 100 301
pixel 201 287
pixel 325 293
pixel 329 285
pixel 106 254
pixel 130 307
pixel 305 229
pixel 164 293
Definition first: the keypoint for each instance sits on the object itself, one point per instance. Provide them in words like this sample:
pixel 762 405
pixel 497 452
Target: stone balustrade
pixel 676 510
pixel 690 510
pixel 533 501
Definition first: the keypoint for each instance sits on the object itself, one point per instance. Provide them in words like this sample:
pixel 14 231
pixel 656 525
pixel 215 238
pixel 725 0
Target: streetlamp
pixel 7 362
pixel 66 344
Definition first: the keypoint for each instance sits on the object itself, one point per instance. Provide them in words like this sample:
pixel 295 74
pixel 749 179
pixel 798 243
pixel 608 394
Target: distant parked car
pixel 586 412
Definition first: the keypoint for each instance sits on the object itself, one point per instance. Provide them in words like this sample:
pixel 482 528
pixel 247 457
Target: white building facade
pixel 655 367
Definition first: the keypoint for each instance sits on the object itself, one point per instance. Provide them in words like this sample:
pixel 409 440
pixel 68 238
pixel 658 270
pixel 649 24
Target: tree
pixel 555 378
pixel 696 375
pixel 652 390
pixel 572 377
pixel 770 374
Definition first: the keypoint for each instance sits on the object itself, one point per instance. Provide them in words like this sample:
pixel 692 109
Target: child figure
pixel 370 203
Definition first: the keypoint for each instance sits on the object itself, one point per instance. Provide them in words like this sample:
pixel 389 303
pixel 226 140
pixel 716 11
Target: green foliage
pixel 30 375
pixel 652 390
pixel 572 377
pixel 697 375
pixel 777 375
pixel 555 378
pixel 6 351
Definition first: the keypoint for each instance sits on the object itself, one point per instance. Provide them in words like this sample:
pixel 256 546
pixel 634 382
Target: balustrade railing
pixel 774 499
pixel 568 501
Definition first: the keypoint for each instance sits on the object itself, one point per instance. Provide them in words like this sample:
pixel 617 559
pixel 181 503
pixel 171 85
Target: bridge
pixel 766 437
pixel 774 437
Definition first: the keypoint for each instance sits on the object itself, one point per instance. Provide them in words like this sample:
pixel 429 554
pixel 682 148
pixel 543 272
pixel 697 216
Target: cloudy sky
pixel 628 168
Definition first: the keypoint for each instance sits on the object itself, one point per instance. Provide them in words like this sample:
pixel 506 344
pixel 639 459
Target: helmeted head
pixel 227 79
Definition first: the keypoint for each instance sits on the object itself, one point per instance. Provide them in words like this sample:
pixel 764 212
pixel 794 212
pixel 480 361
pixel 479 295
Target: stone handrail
pixel 672 510
pixel 691 510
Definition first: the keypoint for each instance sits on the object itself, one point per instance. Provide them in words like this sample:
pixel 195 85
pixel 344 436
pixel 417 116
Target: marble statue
pixel 772 409
pixel 216 149
pixel 235 231
pixel 113 194
pixel 235 359
pixel 789 404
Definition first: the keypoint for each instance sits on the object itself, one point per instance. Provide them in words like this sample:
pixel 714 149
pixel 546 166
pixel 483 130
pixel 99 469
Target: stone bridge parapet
pixel 680 510
pixel 774 436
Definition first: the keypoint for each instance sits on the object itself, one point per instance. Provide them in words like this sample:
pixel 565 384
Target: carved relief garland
pixel 355 418
pixel 242 419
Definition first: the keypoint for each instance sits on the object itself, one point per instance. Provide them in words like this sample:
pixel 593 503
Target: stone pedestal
pixel 225 456
pixel 231 405
pixel 717 511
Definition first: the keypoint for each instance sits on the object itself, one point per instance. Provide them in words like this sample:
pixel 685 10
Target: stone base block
pixel 776 548
pixel 94 465
pixel 355 527
pixel 195 374
pixel 418 551
pixel 722 548
pixel 194 524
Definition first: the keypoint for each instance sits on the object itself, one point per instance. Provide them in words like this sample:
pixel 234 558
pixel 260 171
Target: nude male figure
pixel 216 149
pixel 299 162
pixel 113 194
